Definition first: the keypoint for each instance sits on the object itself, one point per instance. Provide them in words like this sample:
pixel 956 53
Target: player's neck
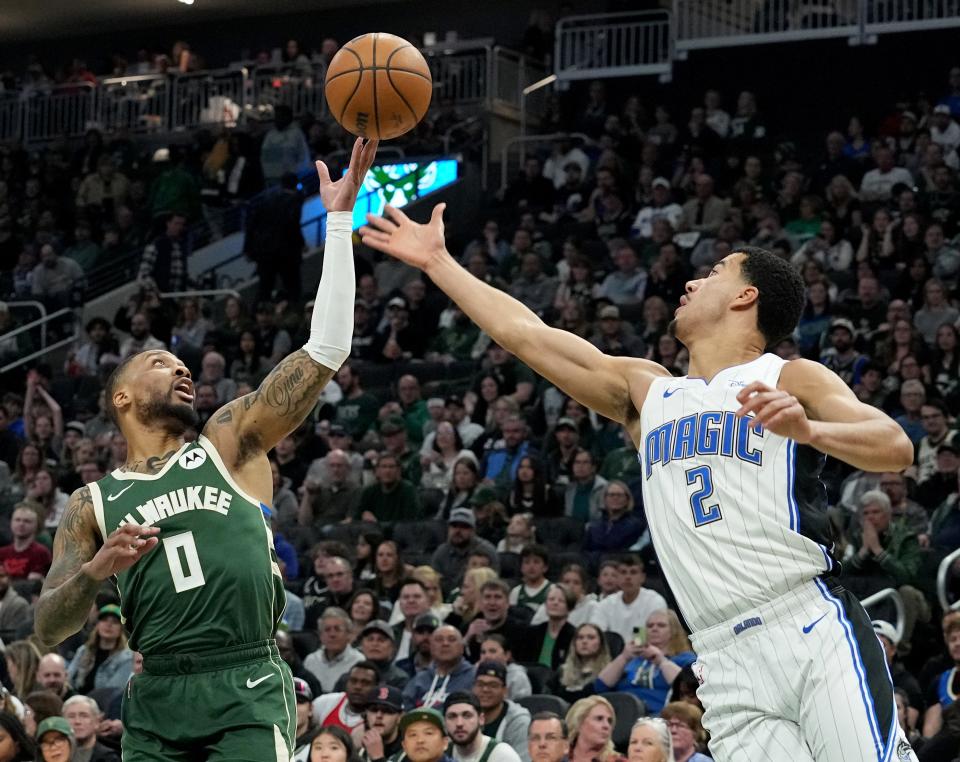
pixel 149 451
pixel 722 349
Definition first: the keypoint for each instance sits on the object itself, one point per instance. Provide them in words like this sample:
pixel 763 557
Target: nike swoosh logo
pixel 806 630
pixel 111 498
pixel 255 683
pixel 670 392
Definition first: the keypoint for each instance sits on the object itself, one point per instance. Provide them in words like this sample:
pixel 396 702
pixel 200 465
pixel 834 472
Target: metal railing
pixel 200 293
pixel 894 597
pixel 507 169
pixel 949 573
pixel 41 323
pixel 613 45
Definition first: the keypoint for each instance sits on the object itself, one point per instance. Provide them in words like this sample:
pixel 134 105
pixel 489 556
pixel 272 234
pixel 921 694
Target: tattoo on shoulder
pixel 73 517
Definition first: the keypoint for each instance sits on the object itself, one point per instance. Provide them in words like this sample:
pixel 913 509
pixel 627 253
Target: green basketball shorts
pixel 235 704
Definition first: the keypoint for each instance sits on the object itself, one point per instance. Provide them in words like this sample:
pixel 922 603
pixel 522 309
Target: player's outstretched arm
pixel 577 367
pixel 256 422
pixel 79 567
pixel 814 406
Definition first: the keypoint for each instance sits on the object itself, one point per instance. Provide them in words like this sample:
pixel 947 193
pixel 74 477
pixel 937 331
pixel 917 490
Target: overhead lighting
pixel 186 2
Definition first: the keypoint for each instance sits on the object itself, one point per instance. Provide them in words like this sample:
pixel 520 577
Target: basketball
pixel 378 86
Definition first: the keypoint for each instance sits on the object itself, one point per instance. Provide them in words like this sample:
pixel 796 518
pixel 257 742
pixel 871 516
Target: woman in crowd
pixel 55 741
pixel 466 604
pixel 686 731
pixel 903 341
pixel 871 244
pixel 331 744
pixel 590 724
pixel 903 239
pixel 45 492
pixel 390 571
pixel 548 643
pixel 650 741
pixel 843 207
pixel 579 288
pixel 22 658
pixel 488 394
pixel 367 543
pixel 466 477
pixel 656 317
pixel 249 365
pixel 104 661
pixel 439 463
pixel 363 607
pixel 431 580
pixel 647 669
pixel 574 578
pixel 191 329
pixel 909 285
pixel 16 745
pixel 585 660
pixel 945 366
pixel 494 648
pixel 520 533
pixel 231 328
pixel 29 462
pixel 531 493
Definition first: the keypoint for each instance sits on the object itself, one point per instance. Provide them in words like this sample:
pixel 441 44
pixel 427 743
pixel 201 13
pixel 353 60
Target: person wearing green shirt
pixel 391 497
pixel 357 411
pixel 415 413
pixel 394 433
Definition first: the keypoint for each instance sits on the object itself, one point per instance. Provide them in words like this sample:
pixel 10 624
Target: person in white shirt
pixel 661 208
pixel 464 720
pixel 717 120
pixel 878 183
pixel 345 710
pixel 564 152
pixel 944 131
pixel 629 608
pixel 335 655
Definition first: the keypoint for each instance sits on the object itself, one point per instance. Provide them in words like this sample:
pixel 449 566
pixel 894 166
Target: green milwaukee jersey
pixel 213 580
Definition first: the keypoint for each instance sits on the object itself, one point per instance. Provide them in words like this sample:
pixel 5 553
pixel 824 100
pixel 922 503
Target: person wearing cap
pixel 457 415
pixel 55 740
pixel 842 356
pixel 464 720
pixel 104 661
pixel 345 708
pixel 448 671
pixel 394 431
pixel 616 337
pixel 559 457
pixel 84 716
pixel 378 644
pixel 424 736
pixel 450 559
pixel 942 483
pixel 661 207
pixel 306 724
pixel 504 720
pixel 380 741
pixel 901 677
pixel 627 284
pixel 395 339
pixel 944 131
pixel 419 658
pixel 391 497
pixel 935 418
pixel 358 409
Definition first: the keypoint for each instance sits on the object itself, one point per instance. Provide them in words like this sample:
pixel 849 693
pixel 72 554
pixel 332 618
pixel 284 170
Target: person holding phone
pixel 648 668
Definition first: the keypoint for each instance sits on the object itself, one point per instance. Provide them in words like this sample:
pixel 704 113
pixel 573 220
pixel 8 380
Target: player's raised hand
pixel 123 548
pixel 341 195
pixel 399 236
pixel 775 410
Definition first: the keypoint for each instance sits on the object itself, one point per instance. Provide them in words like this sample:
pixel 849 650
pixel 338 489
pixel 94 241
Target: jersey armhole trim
pixel 211 450
pixel 97 497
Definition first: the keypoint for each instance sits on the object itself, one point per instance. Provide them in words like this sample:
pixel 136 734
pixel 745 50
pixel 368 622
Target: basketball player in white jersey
pixel 789 665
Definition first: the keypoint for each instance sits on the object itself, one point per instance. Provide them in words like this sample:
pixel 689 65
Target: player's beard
pixel 174 417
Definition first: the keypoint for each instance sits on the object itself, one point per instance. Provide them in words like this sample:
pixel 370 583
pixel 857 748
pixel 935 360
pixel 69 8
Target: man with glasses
pixel 547 738
pixel 619 528
pixel 933 417
pixel 56 740
pixel 335 656
pixel 503 720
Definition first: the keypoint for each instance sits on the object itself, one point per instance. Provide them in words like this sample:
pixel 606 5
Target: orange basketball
pixel 378 86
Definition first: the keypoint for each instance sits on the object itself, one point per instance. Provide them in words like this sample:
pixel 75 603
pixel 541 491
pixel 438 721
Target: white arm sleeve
pixel 331 327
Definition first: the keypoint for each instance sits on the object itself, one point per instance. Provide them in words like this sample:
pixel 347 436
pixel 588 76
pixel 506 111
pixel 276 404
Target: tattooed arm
pixel 79 567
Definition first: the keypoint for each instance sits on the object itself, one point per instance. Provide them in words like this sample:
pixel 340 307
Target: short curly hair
pixel 780 287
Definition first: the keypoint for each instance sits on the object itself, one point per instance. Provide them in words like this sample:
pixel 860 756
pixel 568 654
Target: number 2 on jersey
pixel 184 568
pixel 702 478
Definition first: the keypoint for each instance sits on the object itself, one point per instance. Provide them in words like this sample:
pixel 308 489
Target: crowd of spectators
pixel 455 533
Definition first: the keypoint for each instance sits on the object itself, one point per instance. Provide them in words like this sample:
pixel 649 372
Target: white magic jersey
pixel 737 515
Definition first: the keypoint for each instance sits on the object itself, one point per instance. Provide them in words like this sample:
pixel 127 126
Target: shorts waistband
pixel 791 603
pixel 207 661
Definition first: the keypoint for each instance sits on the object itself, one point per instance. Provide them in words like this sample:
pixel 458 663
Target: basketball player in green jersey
pixel 183 529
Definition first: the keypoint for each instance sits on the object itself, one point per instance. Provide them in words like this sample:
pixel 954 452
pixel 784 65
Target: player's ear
pixel 121 398
pixel 746 297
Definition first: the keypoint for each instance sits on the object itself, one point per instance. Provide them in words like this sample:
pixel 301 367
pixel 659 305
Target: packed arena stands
pixel 445 506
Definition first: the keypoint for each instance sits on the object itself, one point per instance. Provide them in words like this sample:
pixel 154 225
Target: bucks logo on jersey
pixel 213 581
